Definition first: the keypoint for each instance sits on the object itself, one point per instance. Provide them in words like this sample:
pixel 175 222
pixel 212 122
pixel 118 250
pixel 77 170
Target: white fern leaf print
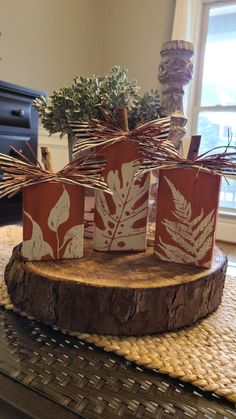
pixel 204 249
pixel 182 230
pixel 121 219
pixel 197 219
pixel 192 238
pixel 59 214
pixel 183 210
pixel 178 235
pixel 36 247
pixel 204 224
pixel 174 253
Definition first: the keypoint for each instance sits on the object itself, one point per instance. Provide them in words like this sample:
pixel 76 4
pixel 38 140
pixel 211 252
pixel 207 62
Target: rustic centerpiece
pixel 137 289
pixel 119 292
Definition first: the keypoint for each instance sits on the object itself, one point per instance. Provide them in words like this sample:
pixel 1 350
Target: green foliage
pixel 82 100
pixel 146 108
pixel 116 90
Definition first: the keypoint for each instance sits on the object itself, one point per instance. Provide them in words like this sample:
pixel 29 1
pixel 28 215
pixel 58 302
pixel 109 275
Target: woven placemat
pixel 203 355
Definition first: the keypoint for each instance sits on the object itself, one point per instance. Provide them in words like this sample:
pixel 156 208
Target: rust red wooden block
pixel 187 206
pixel 53 221
pixel 120 220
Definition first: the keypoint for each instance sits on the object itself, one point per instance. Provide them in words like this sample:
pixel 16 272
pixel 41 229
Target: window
pixel 216 102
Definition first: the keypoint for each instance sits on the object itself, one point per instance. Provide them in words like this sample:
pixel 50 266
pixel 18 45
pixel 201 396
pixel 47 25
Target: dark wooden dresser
pixel 18 124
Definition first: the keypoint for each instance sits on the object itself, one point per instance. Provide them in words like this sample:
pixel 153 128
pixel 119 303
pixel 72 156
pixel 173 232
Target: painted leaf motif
pixel 36 247
pixel 204 248
pixel 183 210
pixel 193 236
pixel 124 213
pixel 60 212
pixel 174 253
pixel 74 248
pixel 204 224
pixel 178 235
pixel 196 220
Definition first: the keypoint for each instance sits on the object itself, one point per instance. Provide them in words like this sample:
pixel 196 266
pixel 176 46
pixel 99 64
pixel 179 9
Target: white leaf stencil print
pixel 36 247
pixel 121 218
pixel 60 212
pixel 193 236
pixel 74 247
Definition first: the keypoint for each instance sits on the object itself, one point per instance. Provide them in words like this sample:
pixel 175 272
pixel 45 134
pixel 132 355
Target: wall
pixel 45 43
pixel 133 33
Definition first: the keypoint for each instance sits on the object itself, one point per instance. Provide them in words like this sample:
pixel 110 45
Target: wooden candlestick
pixel 47 159
pixel 175 71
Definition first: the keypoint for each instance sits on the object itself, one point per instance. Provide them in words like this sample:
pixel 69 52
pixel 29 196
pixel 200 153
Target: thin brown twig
pixel 18 174
pixel 33 154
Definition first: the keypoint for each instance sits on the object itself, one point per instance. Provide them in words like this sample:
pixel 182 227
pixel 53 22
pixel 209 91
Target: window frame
pixel 197 108
pixel 226 226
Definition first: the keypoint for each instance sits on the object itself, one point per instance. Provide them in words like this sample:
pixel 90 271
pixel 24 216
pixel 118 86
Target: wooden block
pixel 187 205
pixel 53 221
pixel 194 147
pixel 120 220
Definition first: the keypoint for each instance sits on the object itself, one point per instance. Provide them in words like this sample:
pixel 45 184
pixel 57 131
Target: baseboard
pixel 226 229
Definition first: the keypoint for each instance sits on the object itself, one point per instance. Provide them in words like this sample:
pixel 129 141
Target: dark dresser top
pixel 26 91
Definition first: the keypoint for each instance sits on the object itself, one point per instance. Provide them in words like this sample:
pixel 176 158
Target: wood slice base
pixel 115 293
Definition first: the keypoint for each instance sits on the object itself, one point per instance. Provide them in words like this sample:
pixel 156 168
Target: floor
pixel 230 250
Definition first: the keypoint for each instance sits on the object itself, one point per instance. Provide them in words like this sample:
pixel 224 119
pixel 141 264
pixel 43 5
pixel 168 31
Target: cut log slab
pixel 115 293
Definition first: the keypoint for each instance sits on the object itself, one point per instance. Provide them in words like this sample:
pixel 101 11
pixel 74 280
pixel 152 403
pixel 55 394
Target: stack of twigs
pixel 166 157
pixel 96 133
pixel 20 173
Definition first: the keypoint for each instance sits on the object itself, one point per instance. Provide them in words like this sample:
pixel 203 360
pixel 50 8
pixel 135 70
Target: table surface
pixel 43 370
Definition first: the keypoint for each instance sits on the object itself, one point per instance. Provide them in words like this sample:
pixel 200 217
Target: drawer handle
pixel 18 112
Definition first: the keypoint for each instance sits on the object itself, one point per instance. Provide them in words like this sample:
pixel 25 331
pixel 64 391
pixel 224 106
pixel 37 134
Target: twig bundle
pixel 95 132
pixel 166 157
pixel 18 174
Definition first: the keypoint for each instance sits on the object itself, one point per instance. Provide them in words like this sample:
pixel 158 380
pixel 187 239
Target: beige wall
pixel 45 43
pixel 133 33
